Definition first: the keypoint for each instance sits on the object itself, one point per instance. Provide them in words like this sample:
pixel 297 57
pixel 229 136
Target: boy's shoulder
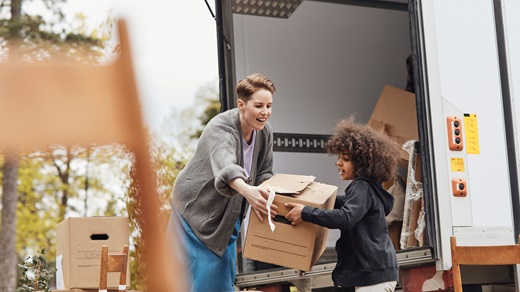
pixel 359 183
pixel 363 181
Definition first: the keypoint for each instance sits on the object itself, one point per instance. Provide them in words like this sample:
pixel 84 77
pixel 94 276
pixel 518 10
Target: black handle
pixel 102 236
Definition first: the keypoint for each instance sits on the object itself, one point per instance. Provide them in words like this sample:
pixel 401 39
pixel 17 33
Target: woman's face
pixel 345 167
pixel 255 112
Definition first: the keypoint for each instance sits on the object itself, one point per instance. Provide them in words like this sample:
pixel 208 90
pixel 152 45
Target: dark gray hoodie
pixel 366 255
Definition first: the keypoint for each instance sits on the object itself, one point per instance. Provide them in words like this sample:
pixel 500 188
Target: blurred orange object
pixel 62 103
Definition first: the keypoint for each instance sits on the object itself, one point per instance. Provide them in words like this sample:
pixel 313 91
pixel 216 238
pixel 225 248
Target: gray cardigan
pixel 202 193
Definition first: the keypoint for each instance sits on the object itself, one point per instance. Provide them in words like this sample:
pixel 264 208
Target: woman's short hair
pixel 251 84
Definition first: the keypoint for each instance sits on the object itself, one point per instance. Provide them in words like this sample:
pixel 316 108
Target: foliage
pixel 209 95
pixel 36 38
pixel 35 273
pixel 52 181
pixel 32 207
pixel 167 164
pixel 74 181
pixel 169 152
pixel 133 205
pixel 32 38
pixel 87 180
pixel 182 128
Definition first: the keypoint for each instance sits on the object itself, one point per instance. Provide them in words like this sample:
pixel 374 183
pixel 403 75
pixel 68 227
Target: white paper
pixel 268 205
pixel 60 285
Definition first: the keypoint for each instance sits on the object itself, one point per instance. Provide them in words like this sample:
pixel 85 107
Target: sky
pixel 173 47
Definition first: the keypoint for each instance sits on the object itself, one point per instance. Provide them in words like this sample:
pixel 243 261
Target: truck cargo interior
pixel 330 61
pixel 337 61
pixel 333 59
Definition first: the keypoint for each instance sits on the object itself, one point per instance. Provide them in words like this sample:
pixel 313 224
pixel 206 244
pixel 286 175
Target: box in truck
pixel 395 114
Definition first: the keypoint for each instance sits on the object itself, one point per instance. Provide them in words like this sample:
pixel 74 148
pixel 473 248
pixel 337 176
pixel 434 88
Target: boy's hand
pixel 295 215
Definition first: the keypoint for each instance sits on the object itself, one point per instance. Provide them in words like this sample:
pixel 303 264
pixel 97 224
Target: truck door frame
pixel 508 111
pixel 427 83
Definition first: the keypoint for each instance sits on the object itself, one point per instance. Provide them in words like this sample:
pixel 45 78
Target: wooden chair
pixel 111 264
pixel 481 256
pixel 49 103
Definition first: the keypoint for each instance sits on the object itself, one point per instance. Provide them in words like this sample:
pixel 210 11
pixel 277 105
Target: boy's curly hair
pixel 374 155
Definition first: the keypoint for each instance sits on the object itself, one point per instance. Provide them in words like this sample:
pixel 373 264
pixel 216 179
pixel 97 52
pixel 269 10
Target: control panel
pixel 455 133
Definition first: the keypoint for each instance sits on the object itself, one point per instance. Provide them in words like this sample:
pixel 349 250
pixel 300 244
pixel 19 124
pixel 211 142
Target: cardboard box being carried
pixel 395 113
pixel 297 247
pixel 78 250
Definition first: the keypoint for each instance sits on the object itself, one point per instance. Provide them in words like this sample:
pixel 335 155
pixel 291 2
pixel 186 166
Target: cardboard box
pixel 297 247
pixel 78 250
pixel 395 113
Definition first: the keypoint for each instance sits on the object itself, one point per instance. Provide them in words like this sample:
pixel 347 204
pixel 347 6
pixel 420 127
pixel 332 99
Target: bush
pixel 35 274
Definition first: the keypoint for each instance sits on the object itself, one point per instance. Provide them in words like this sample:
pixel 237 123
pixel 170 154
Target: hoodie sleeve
pixel 340 200
pixel 356 204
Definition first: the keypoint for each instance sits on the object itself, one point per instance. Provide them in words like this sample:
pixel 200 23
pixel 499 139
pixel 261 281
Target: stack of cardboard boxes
pixel 396 114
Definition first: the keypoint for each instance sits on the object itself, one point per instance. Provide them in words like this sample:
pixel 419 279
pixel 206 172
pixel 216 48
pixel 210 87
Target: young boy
pixel 366 256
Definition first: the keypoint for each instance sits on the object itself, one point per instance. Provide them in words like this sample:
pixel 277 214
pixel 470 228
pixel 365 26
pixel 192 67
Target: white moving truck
pixel 331 59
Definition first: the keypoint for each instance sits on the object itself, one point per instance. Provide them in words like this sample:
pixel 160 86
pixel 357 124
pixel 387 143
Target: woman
pixel 233 156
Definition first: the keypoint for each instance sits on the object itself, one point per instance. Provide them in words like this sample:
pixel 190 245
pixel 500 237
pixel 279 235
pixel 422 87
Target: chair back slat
pixel 113 263
pixel 480 256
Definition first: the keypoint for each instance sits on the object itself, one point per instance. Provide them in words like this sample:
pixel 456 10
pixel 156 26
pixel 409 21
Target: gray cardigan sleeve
pixel 225 155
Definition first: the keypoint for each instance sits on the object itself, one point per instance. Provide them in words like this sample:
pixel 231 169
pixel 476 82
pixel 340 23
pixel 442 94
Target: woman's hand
pixel 255 196
pixel 295 215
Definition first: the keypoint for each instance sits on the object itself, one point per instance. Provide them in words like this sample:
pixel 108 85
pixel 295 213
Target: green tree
pixel 31 38
pixel 170 150
pixel 62 180
pixel 54 182
pixel 167 164
pixel 182 128
pixel 208 95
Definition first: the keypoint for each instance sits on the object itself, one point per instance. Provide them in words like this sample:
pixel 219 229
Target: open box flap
pixel 288 183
